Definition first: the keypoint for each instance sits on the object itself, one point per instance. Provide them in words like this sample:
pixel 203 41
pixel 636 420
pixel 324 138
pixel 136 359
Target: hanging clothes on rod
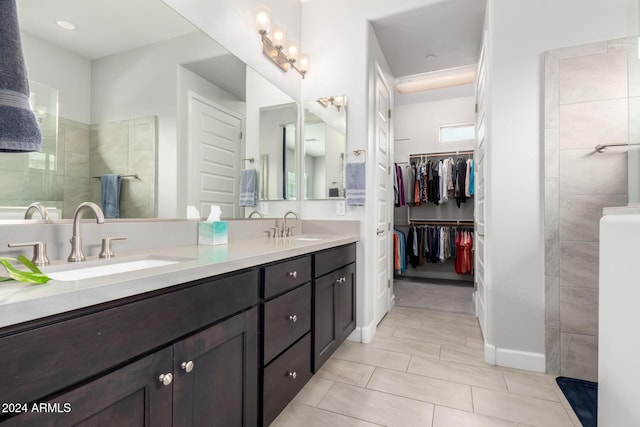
pixel 398 186
pixel 440 242
pixel 440 177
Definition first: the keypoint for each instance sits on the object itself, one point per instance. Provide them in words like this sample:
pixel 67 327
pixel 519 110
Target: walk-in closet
pixel 434 205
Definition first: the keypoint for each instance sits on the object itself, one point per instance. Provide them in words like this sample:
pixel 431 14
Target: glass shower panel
pixel 634 120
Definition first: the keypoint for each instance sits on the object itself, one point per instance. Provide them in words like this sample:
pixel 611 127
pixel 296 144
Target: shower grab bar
pixel 600 148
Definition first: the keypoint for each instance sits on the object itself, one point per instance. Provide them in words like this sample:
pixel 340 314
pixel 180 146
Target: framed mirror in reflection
pixel 325 129
pixel 140 91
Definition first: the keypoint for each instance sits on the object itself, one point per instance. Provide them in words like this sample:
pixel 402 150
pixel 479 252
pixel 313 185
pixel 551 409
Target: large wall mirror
pixel 142 93
pixel 325 130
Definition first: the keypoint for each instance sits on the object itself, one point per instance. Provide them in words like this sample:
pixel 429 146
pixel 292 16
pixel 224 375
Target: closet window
pixel 453 133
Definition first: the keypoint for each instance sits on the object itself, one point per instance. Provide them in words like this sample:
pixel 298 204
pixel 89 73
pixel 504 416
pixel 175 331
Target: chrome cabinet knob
pixel 187 366
pixel 166 379
pixel 341 280
pixel 293 274
pixel 293 318
pixel 293 375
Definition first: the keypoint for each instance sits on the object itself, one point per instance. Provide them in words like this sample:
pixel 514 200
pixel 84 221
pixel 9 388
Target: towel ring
pixel 250 159
pixel 358 152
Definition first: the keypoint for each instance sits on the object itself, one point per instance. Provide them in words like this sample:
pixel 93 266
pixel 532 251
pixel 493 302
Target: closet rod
pixel 450 153
pixel 440 222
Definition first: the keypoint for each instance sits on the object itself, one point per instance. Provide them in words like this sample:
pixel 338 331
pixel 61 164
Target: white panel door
pixel 214 158
pixel 383 196
pixel 480 190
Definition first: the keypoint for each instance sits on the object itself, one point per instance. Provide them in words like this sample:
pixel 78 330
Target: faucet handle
pixel 290 231
pixel 39 251
pixel 106 251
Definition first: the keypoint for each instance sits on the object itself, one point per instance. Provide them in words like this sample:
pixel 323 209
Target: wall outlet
pixel 340 207
pixel 264 208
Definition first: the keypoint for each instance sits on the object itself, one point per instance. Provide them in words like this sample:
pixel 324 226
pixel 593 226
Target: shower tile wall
pixel 127 147
pixel 73 165
pixel 585 104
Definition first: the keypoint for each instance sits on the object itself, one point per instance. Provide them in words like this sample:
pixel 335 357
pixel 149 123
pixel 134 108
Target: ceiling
pixel 450 30
pixel 104 27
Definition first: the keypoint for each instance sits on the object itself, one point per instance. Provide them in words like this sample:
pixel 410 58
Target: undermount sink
pixel 98 269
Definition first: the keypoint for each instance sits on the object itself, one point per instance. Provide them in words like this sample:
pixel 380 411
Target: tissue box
pixel 213 233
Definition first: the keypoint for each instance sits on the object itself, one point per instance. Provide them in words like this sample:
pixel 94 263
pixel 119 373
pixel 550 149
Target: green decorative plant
pixel 34 276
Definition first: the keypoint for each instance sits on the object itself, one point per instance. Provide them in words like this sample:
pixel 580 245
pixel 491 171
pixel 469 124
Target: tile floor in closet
pixel 425 368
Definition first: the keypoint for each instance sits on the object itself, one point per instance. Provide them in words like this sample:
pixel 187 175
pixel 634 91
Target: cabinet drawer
pixel 332 259
pixel 286 318
pixel 280 383
pixel 49 358
pixel 286 275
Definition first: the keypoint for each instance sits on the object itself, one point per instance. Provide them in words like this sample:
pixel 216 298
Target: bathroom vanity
pixel 231 348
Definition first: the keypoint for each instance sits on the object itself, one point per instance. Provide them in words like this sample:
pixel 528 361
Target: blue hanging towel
pixel 356 183
pixel 19 128
pixel 249 187
pixel 111 184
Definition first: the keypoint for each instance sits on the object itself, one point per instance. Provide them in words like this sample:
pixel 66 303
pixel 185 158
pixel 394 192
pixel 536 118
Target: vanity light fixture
pixel 339 101
pixel 437 79
pixel 284 53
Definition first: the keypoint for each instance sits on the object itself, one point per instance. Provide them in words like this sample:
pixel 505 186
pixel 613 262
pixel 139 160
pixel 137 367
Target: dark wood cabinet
pixel 231 350
pixel 130 396
pixel 334 301
pixel 215 381
pixel 97 360
pixel 286 337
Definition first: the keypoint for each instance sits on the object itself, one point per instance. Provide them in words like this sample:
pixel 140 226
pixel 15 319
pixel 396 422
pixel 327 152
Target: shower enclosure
pixel 592 95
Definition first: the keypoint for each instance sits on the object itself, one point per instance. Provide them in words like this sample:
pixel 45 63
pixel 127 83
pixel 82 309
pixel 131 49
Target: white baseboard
pixel 363 334
pixel 514 358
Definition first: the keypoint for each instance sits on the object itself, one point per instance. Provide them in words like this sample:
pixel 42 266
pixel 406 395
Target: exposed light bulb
pixel 279 36
pixel 263 19
pixel 293 50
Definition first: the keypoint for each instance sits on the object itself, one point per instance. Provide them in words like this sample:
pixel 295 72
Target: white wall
pixel 519 32
pixel 232 23
pixel 60 69
pixel 417 126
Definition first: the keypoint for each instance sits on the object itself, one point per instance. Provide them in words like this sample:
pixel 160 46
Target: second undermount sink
pixel 98 269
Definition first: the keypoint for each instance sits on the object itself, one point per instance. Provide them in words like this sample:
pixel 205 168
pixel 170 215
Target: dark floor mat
pixel 583 397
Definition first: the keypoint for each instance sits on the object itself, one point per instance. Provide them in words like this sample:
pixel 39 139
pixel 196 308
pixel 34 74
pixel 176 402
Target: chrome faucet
pixel 33 207
pixel 76 240
pixel 256 212
pixel 287 231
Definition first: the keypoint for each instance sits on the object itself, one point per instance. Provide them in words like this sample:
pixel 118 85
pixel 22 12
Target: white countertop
pixel 23 302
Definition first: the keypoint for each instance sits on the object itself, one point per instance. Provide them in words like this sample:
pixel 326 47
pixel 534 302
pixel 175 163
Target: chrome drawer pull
pixel 187 366
pixel 293 274
pixel 293 375
pixel 293 318
pixel 166 379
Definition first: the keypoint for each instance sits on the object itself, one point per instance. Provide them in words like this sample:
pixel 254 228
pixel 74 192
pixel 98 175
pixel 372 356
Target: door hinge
pixel 388 170
pixel 388 226
pixel 476 108
pixel 388 283
pixel 389 113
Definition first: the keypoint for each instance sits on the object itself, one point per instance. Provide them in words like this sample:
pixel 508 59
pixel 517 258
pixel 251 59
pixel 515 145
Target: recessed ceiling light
pixel 66 25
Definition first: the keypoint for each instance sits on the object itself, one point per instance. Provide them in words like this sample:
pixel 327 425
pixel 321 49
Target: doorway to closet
pixel 434 207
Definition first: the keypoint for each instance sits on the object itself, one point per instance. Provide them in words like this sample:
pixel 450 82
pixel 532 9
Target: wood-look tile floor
pixel 425 368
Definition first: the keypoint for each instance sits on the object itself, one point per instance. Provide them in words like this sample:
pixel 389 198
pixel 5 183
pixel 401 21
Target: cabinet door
pixel 346 302
pixel 216 373
pixel 130 396
pixel 325 340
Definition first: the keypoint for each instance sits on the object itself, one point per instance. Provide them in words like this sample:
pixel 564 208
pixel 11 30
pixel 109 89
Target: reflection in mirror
pixel 324 149
pixel 278 152
pixel 125 79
